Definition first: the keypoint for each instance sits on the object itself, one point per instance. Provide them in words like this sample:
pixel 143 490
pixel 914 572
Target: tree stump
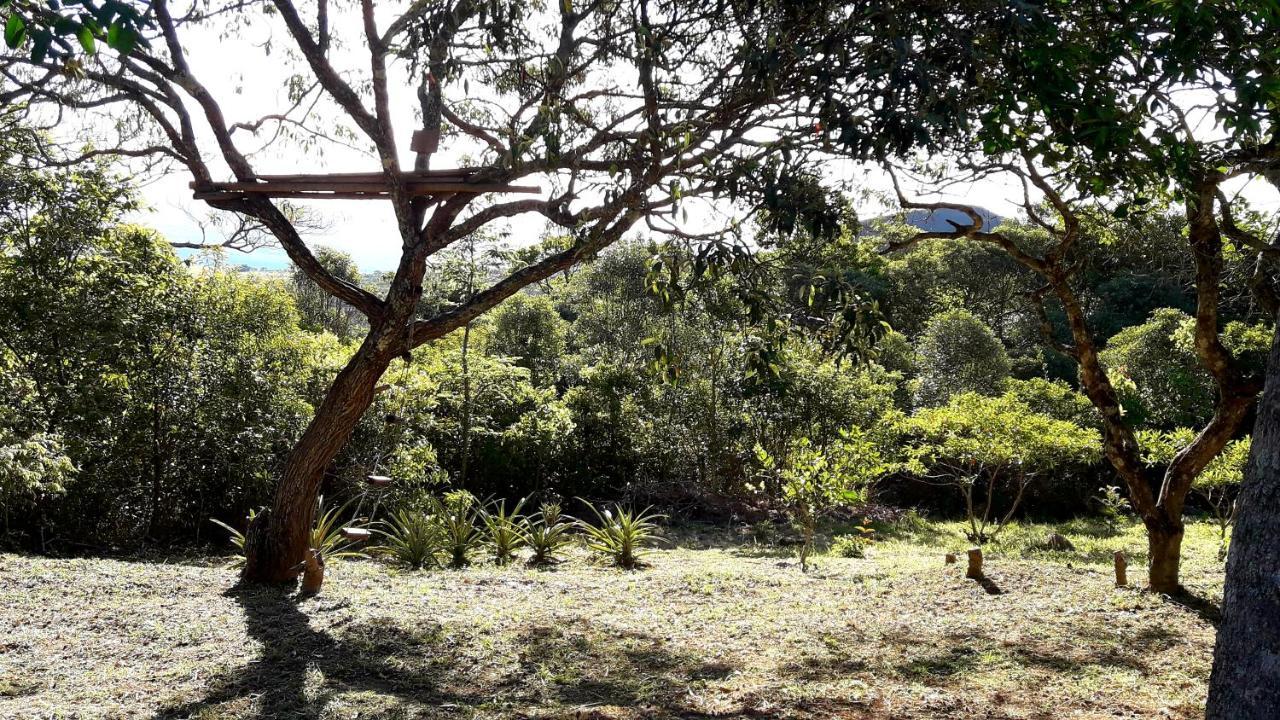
pixel 951 559
pixel 313 572
pixel 975 564
pixel 1121 566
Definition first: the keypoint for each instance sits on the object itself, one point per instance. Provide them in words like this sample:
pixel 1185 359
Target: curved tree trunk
pixel 279 538
pixel 1245 684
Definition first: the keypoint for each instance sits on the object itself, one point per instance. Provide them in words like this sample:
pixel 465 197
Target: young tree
pixel 977 441
pixel 625 111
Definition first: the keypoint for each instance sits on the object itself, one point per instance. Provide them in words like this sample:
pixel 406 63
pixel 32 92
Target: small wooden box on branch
pixel 356 186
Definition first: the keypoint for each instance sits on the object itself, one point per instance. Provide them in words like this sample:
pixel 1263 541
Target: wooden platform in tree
pixel 356 186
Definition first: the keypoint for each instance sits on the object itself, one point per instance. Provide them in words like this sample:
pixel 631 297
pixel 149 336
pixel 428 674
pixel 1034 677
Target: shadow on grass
pixel 1201 605
pixel 428 670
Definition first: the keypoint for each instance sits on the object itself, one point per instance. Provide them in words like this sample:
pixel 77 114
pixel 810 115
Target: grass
pixel 715 627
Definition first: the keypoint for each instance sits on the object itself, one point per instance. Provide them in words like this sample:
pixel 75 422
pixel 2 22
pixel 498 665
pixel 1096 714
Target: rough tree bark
pixel 1245 684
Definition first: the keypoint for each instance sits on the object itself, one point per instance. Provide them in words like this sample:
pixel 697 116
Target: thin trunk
pixel 466 407
pixel 1245 684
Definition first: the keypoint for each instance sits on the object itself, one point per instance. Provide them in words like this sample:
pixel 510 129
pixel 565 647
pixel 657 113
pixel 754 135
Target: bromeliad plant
pixel 507 531
pixel 621 534
pixel 549 532
pixel 410 538
pixel 457 522
pixel 237 538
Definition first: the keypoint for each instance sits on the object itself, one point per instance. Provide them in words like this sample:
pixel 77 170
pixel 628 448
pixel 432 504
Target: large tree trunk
pixel 280 538
pixel 1245 684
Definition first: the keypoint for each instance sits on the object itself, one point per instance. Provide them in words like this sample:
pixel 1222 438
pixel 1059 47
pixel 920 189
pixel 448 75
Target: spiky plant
pixel 326 535
pixel 507 531
pixel 410 538
pixel 549 531
pixel 621 534
pixel 236 538
pixel 456 520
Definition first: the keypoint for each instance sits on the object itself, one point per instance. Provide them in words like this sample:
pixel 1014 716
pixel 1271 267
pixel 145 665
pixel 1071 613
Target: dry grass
pixel 713 628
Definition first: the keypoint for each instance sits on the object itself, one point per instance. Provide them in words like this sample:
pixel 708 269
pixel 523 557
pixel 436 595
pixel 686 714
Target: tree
pixel 319 311
pixel 993 441
pixel 528 328
pixel 810 481
pixel 1217 485
pixel 958 353
pixel 624 110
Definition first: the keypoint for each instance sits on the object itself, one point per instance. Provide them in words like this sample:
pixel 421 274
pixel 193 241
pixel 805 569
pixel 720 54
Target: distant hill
pixel 936 220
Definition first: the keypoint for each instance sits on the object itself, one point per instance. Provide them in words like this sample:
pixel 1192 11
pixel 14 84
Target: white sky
pixel 249 85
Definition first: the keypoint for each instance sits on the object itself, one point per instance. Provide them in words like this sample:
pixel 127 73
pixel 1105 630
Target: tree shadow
pixel 1203 606
pixel 365 659
pixel 301 669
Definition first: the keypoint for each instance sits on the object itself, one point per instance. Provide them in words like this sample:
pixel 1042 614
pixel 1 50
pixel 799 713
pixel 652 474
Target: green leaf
pixel 121 38
pixel 85 36
pixel 15 31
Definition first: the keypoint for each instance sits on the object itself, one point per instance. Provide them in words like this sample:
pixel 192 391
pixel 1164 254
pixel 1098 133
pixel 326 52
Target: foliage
pixel 457 523
pixel 550 530
pixel 854 544
pixel 958 353
pixel 975 439
pixel 31 469
pixel 507 531
pixel 621 535
pixel 529 329
pixel 1167 386
pixel 327 536
pixel 410 538
pixel 1112 505
pixel 318 311
pixel 175 393
pixel 810 481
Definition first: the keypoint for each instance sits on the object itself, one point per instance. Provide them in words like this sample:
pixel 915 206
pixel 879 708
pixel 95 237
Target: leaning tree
pixel 622 111
pixel 1117 105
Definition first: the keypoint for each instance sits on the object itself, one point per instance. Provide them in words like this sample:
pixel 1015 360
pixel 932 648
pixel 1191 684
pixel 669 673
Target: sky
pixel 249 77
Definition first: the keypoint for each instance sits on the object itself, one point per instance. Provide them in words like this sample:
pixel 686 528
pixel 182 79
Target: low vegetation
pixel 716 625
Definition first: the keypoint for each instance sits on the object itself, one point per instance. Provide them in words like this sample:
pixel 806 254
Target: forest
pixel 695 425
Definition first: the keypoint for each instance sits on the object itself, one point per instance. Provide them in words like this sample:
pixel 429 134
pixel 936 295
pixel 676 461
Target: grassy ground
pixel 715 627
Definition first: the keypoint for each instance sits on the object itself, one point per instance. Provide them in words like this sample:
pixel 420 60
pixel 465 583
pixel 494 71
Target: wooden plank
pixel 417 188
pixel 375 178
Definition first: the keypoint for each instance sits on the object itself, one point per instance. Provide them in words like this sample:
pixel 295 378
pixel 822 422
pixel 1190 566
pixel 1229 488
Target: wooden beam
pixel 330 189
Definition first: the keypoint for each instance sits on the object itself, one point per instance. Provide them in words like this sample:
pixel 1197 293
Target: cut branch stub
pixel 378 480
pixel 975 564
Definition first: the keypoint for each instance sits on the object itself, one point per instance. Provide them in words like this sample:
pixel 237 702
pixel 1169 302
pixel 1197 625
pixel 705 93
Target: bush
pixel 456 520
pixel 958 353
pixel 983 441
